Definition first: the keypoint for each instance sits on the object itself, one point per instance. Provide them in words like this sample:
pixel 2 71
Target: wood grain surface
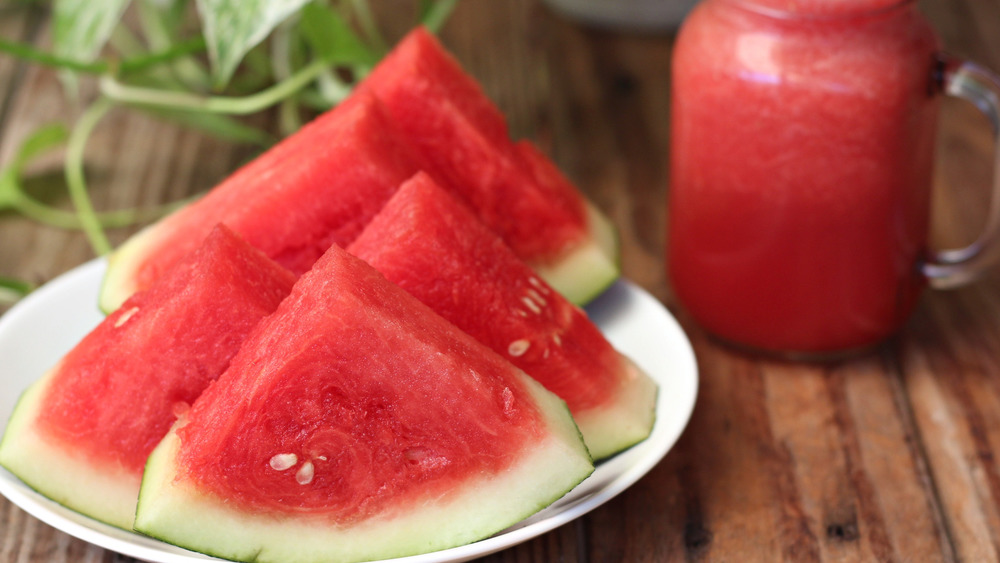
pixel 892 456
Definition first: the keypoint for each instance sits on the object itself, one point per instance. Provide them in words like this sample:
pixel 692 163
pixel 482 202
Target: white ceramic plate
pixel 43 327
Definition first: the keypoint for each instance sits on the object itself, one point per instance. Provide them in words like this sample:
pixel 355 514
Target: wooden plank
pixel 605 125
pixel 887 468
pixel 723 491
pixel 955 393
pixel 948 350
pixel 18 23
pixel 784 461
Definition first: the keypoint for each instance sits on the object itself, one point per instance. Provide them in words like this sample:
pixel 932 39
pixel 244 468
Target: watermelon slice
pixel 356 424
pixel 514 189
pixel 321 185
pixel 81 434
pixel 316 188
pixel 430 245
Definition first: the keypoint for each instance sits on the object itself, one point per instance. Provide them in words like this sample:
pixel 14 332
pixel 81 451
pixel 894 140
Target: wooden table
pixel 889 457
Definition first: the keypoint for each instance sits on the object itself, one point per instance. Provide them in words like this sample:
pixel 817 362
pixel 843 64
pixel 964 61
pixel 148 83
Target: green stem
pixel 44 214
pixel 29 53
pixel 76 180
pixel 135 64
pixel 289 120
pixel 367 21
pixel 244 105
pixel 153 26
pixel 179 50
pixel 436 13
pixel 62 219
pixel 282 67
pixel 281 51
pixel 125 42
pixel 161 37
pixel 332 88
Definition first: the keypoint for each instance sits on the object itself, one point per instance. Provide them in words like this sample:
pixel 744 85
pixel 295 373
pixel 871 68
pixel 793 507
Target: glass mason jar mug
pixel 802 138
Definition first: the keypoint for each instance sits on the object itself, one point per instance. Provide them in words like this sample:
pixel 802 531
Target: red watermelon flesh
pixel 316 188
pixel 81 435
pixel 430 245
pixel 435 73
pixel 460 133
pixel 356 424
pixel 321 185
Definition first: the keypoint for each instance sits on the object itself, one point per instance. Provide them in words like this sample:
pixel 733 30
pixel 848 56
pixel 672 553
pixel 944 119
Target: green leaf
pixel 362 13
pixel 13 195
pixel 219 126
pixel 433 13
pixel 27 52
pixel 333 89
pixel 233 27
pixel 43 139
pixel 332 38
pixel 172 13
pixel 82 27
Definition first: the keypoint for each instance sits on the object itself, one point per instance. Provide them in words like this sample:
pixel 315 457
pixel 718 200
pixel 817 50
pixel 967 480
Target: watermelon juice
pixel 802 138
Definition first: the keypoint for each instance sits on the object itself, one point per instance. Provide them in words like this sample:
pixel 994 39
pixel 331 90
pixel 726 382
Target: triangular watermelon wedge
pixel 81 434
pixel 318 187
pixel 321 185
pixel 356 424
pixel 433 247
pixel 513 188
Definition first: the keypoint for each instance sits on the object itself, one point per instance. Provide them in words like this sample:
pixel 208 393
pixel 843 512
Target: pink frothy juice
pixel 802 141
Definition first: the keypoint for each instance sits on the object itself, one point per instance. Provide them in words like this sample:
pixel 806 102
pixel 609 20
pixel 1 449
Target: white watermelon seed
pixel 536 297
pixel 415 455
pixel 518 347
pixel 531 305
pixel 557 339
pixel 304 475
pixel 126 316
pixel 508 400
pixel 538 283
pixel 179 408
pixel 281 462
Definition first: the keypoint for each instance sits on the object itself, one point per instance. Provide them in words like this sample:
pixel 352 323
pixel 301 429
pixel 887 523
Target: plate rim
pixel 664 436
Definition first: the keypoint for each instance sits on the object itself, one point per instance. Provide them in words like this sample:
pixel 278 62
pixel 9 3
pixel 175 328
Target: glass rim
pixel 757 7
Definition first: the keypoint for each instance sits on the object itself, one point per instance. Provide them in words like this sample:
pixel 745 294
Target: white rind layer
pixel 590 268
pixel 105 492
pixel 174 510
pixel 580 275
pixel 624 422
pixel 119 280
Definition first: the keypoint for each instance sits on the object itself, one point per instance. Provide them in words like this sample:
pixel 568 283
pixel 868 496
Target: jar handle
pixel 955 267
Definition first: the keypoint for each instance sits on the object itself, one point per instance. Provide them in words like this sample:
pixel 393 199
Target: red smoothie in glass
pixel 801 153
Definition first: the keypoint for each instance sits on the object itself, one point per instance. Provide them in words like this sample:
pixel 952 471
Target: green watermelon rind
pixel 101 493
pixel 119 283
pixel 173 511
pixel 591 267
pixel 625 421
pixel 588 270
